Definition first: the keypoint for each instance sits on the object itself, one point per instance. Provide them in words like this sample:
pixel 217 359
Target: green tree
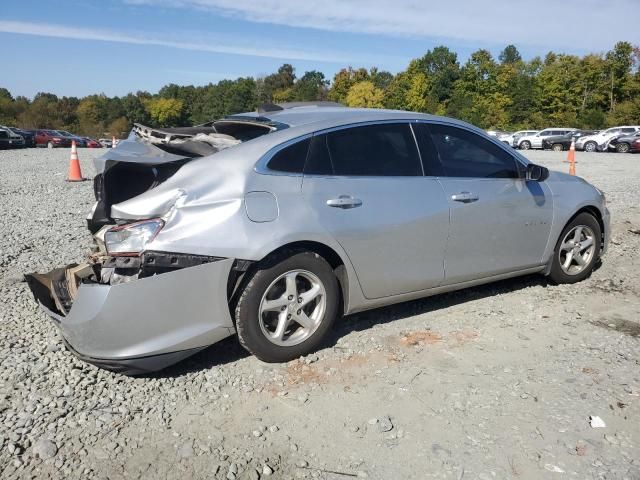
pixel 164 112
pixel 510 55
pixel 344 80
pixel 311 86
pixel 366 95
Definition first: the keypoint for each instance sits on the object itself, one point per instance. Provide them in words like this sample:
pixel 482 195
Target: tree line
pixel 509 93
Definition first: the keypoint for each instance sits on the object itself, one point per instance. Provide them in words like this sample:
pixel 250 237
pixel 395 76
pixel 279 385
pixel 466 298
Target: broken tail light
pixel 132 238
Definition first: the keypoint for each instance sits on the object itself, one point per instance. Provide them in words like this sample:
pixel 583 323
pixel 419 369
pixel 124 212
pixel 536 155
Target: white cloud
pixel 213 46
pixel 569 24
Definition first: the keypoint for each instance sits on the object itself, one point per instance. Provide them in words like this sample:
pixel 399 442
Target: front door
pixel 499 221
pixel 365 186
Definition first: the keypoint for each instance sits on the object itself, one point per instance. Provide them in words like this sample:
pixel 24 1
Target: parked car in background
pixel 12 139
pixel 599 141
pixel 51 139
pixel 80 141
pixel 497 133
pixel 270 224
pixel 535 141
pixel 91 143
pixel 511 139
pixel 105 142
pixel 29 137
pixel 563 142
pixel 625 143
pixel 8 139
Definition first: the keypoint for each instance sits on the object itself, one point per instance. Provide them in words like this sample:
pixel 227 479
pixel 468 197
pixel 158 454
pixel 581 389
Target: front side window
pixel 387 149
pixel 461 153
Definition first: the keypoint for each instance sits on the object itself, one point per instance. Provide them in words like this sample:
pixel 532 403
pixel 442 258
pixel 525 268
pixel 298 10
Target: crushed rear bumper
pixel 143 325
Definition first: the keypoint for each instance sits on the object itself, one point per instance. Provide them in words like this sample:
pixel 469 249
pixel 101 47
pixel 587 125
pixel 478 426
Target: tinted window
pixel 4 134
pixel 291 158
pixel 374 150
pixel 318 161
pixel 462 153
pixel 628 130
pixel 545 134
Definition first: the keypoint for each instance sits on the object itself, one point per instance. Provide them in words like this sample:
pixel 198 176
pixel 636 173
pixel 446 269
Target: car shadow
pixel 365 320
pixel 229 350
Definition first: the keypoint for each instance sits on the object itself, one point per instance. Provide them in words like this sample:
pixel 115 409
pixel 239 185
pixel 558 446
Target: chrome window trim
pixel 261 164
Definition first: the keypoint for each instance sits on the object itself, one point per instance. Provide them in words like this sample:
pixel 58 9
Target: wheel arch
pixel 332 257
pixel 590 209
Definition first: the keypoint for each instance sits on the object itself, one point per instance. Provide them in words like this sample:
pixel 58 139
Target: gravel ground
pixel 487 383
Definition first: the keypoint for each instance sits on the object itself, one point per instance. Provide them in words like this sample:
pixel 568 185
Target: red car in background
pixel 51 139
pixel 91 143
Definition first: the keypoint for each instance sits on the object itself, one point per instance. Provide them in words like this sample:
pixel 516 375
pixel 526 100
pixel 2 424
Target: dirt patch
pixel 619 324
pixel 420 338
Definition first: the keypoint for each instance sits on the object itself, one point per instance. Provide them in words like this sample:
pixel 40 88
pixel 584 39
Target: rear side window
pixel 461 153
pixel 628 130
pixel 373 150
pixel 291 158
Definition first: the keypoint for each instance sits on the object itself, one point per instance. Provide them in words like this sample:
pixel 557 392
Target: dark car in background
pixel 51 139
pixel 29 137
pixel 8 139
pixel 80 141
pixel 625 143
pixel 559 143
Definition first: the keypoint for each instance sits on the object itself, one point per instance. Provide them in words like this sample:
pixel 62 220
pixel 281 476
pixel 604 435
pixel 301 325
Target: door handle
pixel 465 197
pixel 344 201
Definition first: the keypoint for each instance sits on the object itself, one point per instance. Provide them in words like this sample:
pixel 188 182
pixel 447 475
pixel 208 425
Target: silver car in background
pixel 271 225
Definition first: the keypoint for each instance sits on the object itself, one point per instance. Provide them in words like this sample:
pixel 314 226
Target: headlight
pixel 132 238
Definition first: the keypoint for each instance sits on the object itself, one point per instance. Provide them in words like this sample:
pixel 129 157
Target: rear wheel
pixel 590 146
pixel 622 148
pixel 577 250
pixel 525 145
pixel 557 147
pixel 287 306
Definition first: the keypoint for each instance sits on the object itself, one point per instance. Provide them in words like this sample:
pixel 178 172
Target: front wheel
pixel 577 250
pixel 557 147
pixel 287 306
pixel 590 146
pixel 49 145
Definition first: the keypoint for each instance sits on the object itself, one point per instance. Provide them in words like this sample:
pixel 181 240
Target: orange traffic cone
pixel 571 158
pixel 75 175
pixel 113 142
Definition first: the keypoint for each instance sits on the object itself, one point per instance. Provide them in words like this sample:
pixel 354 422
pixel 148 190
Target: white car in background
pixel 512 138
pixel 535 141
pixel 600 141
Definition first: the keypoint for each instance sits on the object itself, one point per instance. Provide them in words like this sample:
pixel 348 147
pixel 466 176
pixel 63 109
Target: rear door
pixel 499 221
pixel 365 185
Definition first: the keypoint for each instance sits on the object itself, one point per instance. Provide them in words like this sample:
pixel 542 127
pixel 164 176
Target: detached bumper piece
pixel 142 325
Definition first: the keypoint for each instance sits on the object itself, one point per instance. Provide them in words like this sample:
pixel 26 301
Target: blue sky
pixel 78 47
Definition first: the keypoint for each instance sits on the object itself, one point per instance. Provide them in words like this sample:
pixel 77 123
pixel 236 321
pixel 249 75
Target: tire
pixel 590 147
pixel 557 147
pixel 274 334
pixel 49 145
pixel 525 145
pixel 623 148
pixel 590 228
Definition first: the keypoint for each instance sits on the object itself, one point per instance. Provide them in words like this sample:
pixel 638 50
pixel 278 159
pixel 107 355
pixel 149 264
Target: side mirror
pixel 537 173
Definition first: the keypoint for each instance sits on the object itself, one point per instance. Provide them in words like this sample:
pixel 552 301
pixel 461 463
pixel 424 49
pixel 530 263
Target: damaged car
pixel 270 225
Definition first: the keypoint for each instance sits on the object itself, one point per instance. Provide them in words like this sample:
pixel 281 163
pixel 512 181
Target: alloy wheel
pixel 292 308
pixel 577 250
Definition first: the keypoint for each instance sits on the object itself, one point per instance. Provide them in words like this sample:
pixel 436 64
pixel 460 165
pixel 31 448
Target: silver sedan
pixel 271 225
